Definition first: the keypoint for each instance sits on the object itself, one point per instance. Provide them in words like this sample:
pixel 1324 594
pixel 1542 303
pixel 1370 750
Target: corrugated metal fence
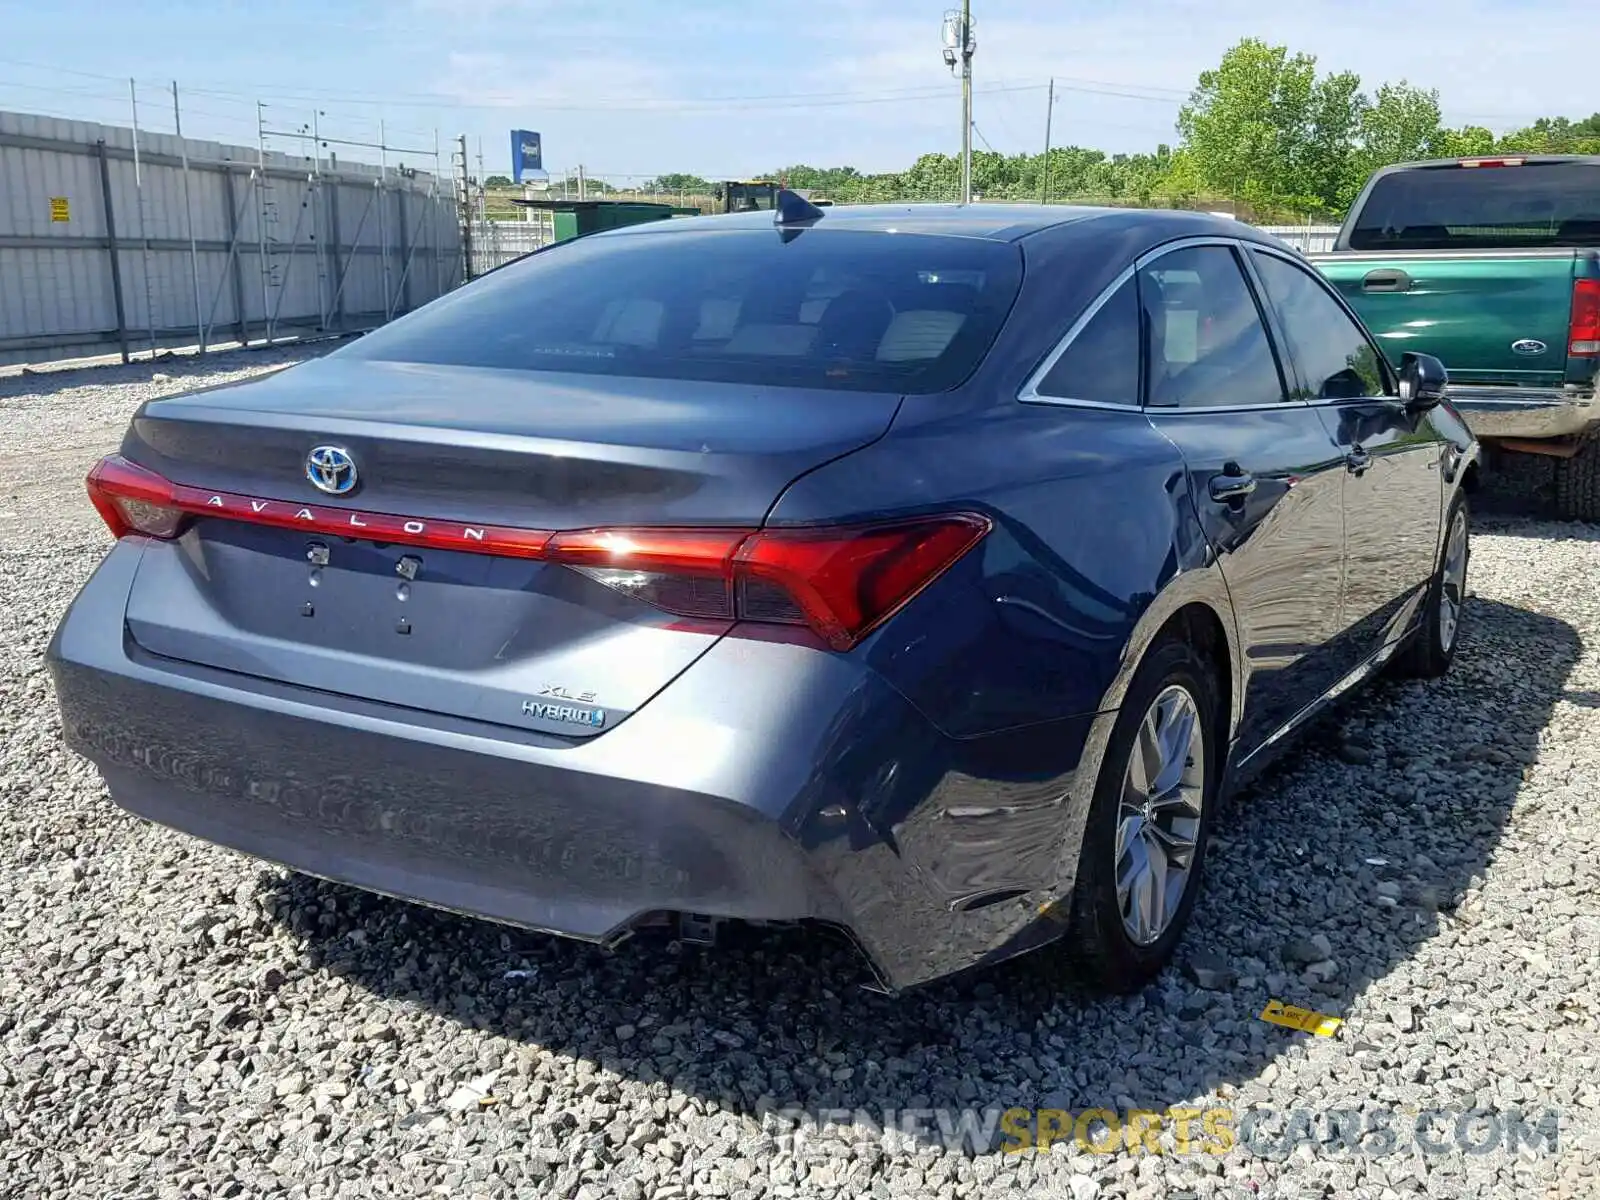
pixel 495 243
pixel 100 253
pixel 1313 239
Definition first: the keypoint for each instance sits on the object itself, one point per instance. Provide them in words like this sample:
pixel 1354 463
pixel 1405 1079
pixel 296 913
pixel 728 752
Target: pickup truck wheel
pixel 1433 645
pixel 1578 482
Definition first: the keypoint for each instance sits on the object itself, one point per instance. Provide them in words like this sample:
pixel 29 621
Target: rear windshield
pixel 847 309
pixel 1441 208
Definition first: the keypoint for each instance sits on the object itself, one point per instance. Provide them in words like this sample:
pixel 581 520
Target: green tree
pixel 1466 142
pixel 1322 156
pixel 934 177
pixel 1181 182
pixel 833 182
pixel 676 181
pixel 1264 129
pixel 498 181
pixel 1556 135
pixel 1400 124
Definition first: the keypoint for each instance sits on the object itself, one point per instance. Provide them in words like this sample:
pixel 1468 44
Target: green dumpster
pixel 576 218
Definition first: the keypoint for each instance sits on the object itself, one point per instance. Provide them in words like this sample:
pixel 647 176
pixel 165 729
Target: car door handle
pixel 1357 461
pixel 1232 485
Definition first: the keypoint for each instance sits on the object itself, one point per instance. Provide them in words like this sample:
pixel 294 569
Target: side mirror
pixel 1423 380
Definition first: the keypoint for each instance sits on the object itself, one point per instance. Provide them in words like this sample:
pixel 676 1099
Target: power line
pixel 638 104
pixel 441 102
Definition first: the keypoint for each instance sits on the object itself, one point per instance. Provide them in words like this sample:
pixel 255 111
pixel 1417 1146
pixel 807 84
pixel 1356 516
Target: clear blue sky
pixel 722 88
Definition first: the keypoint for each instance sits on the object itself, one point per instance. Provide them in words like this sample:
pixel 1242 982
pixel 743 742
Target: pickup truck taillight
pixel 1583 336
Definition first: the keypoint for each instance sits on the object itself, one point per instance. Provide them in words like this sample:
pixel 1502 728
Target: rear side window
pixel 1439 208
pixel 845 309
pixel 1335 357
pixel 1204 341
pixel 1101 363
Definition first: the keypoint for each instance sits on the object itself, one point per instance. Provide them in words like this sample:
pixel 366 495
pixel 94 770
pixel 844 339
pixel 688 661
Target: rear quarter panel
pixel 1092 522
pixel 1022 651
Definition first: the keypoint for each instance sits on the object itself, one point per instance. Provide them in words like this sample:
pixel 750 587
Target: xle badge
pixel 569 714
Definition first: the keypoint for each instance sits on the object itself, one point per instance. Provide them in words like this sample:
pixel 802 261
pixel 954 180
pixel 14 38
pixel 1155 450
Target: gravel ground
pixel 176 1020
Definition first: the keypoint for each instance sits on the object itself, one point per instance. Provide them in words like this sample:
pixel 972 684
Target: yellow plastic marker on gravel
pixel 1304 1019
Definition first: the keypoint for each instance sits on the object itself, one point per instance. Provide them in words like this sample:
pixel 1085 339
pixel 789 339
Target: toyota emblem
pixel 331 469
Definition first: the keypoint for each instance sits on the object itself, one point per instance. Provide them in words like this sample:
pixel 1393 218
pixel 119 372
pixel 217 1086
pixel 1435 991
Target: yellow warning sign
pixel 1290 1017
pixel 59 209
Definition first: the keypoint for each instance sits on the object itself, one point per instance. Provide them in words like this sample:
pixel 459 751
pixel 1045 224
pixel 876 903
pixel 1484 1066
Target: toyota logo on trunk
pixel 331 469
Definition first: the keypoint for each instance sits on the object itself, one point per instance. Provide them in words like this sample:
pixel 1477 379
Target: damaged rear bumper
pixel 768 782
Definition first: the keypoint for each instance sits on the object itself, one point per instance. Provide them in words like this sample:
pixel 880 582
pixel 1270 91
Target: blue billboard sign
pixel 526 154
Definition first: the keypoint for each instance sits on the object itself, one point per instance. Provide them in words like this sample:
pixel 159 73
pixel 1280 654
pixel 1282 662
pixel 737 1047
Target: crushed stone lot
pixel 177 1020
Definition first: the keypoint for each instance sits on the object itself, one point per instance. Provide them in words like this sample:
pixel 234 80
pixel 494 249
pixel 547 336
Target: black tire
pixel 1432 649
pixel 1578 482
pixel 1099 948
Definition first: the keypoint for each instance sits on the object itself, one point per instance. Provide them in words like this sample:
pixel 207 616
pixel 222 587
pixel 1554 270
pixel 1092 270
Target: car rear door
pixel 1264 473
pixel 1393 483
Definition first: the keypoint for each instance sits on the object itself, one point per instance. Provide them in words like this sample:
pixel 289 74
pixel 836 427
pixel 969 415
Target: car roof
pixel 991 222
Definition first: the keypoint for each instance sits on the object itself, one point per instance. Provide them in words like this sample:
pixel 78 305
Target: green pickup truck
pixel 1493 266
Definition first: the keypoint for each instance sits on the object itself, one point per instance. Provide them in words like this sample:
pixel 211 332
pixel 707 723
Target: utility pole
pixel 464 206
pixel 967 48
pixel 1049 111
pixel 483 191
pixel 960 44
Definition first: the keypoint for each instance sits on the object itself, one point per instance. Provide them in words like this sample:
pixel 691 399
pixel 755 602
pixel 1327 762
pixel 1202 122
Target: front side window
pixel 1101 363
pixel 841 309
pixel 1205 344
pixel 1336 359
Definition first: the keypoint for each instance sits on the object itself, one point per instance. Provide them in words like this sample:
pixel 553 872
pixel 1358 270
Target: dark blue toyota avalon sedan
pixel 929 572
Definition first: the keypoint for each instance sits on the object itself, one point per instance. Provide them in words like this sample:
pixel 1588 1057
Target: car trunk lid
pixel 386 592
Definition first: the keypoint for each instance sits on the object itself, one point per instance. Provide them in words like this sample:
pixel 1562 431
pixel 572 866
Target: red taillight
pixel 1583 336
pixel 841 581
pixel 847 581
pixel 1491 162
pixel 684 571
pixel 133 500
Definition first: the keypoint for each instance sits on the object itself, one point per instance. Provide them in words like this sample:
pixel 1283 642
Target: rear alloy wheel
pixel 1145 843
pixel 1433 645
pixel 1158 820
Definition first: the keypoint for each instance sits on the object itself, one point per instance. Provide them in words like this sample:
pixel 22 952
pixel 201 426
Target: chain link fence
pixel 494 243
